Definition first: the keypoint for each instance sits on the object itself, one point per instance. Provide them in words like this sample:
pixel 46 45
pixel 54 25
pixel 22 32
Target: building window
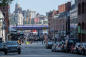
pixel 79 9
pixel 82 25
pixel 4 14
pixel 83 7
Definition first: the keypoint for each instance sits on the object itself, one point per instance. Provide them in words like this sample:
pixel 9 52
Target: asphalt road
pixel 38 50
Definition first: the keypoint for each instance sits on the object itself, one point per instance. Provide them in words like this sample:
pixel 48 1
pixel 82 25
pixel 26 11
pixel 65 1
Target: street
pixel 38 50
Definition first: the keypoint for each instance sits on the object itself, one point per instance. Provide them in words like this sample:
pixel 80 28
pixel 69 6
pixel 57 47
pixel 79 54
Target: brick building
pixel 61 24
pixel 58 21
pixel 64 7
pixel 74 21
pixel 51 22
pixel 82 20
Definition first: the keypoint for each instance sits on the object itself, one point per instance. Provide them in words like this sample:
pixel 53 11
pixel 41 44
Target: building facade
pixel 82 20
pixel 59 21
pixel 2 30
pixel 74 21
pixel 51 23
pixel 61 25
pixel 64 7
pixel 5 12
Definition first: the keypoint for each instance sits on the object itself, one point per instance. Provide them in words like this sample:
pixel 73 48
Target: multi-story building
pixel 27 17
pixel 74 20
pixel 61 25
pixel 82 20
pixel 64 7
pixel 2 30
pixel 51 22
pixel 24 12
pixel 5 11
pixel 41 19
pixel 18 9
pixel 44 21
pixel 11 19
pixel 19 18
pixel 59 21
pixel 30 15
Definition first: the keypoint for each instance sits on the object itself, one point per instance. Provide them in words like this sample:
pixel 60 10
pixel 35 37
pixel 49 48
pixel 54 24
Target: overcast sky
pixel 40 6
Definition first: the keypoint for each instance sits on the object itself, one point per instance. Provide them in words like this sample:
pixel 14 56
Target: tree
pixel 5 2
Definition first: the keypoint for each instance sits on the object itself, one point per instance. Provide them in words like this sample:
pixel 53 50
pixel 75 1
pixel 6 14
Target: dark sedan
pixel 12 46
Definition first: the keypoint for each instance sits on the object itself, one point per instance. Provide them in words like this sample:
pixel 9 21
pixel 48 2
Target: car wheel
pixel 5 52
pixel 83 52
pixel 53 50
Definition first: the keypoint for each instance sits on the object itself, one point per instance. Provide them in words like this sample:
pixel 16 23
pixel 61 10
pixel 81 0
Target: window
pixel 4 14
pixel 83 7
pixel 79 9
pixel 82 25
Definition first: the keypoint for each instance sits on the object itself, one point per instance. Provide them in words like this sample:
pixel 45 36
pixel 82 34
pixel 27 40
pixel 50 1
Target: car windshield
pixel 12 43
pixel 50 42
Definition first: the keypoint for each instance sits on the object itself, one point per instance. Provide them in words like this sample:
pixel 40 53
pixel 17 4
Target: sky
pixel 40 6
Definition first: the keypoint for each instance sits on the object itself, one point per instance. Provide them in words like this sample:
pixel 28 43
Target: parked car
pixel 69 43
pixel 1 47
pixel 75 49
pixel 54 46
pixel 58 46
pixel 12 46
pixel 49 44
pixel 82 48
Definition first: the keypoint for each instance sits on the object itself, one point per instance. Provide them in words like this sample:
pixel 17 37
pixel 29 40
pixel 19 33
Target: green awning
pixel 81 31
